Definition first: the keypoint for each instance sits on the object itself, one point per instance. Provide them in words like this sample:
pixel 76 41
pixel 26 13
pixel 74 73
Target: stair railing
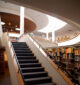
pixel 14 55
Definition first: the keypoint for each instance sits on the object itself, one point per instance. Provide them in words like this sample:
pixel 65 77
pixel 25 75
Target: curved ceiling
pixel 68 10
pixel 13 21
pixel 40 19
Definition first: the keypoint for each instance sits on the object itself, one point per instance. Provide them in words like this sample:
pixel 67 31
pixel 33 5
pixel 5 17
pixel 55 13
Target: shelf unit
pixel 68 60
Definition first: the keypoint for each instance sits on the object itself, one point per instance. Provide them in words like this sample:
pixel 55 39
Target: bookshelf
pixel 68 60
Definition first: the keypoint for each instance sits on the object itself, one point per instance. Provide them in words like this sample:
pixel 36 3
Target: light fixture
pixel 2 23
pixel 9 23
pixel 16 26
pixel 18 29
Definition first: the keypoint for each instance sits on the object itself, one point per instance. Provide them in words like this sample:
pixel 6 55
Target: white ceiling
pixel 67 10
pixel 40 19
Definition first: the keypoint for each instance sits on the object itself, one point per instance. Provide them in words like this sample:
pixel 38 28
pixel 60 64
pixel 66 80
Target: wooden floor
pixel 5 78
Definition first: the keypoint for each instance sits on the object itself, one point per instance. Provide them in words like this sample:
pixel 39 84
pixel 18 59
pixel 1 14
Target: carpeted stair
pixel 31 70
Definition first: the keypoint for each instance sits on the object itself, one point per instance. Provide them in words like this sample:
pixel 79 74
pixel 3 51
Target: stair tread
pixel 31 64
pixel 33 73
pixel 24 53
pixel 33 68
pixel 45 84
pixel 21 48
pixel 33 79
pixel 25 56
pixel 29 60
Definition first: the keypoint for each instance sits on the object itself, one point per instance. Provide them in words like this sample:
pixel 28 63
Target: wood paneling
pixel 11 21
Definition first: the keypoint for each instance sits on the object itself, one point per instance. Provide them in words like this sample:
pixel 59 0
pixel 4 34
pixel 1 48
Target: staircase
pixel 31 70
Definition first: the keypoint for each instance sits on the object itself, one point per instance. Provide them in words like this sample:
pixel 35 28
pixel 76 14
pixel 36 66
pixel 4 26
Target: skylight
pixel 53 25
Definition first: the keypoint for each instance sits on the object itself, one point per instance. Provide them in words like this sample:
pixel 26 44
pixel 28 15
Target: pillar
pixel 47 37
pixel 0 28
pixel 21 20
pixel 53 36
pixel 1 32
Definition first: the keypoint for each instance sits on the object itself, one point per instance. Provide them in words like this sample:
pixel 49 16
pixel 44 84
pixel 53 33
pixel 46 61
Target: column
pixel 53 36
pixel 1 32
pixel 47 37
pixel 0 28
pixel 21 20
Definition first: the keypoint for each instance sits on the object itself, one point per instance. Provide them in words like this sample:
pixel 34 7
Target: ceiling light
pixel 9 23
pixel 18 29
pixel 2 23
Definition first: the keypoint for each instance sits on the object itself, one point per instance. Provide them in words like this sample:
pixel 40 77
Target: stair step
pixel 20 46
pixel 29 65
pixel 19 43
pixel 31 70
pixel 34 75
pixel 23 51
pixel 46 84
pixel 38 80
pixel 24 54
pixel 26 57
pixel 28 61
pixel 34 69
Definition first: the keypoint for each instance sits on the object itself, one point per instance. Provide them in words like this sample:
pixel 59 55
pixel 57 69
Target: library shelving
pixel 68 60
